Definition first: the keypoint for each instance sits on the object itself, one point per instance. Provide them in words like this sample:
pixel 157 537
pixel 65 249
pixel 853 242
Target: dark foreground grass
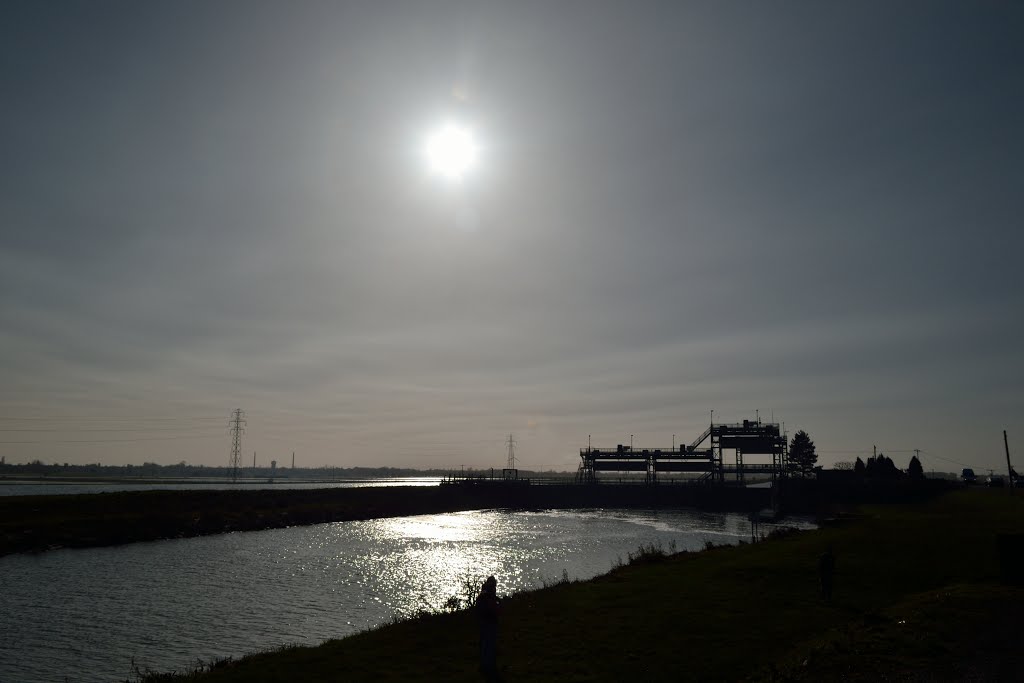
pixel 730 613
pixel 963 632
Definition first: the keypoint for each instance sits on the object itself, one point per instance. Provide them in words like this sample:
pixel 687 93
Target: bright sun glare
pixel 452 151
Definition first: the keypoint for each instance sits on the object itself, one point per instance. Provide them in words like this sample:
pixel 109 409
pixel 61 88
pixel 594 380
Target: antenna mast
pixel 237 426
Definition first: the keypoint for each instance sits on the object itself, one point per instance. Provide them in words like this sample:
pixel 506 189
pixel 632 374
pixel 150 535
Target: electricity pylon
pixel 511 453
pixel 237 426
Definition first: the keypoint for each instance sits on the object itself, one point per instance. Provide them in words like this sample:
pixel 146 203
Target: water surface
pixel 88 614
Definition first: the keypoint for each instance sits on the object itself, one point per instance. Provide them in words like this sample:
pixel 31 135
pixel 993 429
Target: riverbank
pixel 917 593
pixel 39 523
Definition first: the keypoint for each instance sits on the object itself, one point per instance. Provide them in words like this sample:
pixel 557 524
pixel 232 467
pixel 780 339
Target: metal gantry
pixel 704 456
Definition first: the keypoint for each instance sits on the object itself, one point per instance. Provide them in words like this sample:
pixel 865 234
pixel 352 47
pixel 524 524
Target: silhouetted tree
pixel 881 467
pixel 858 466
pixel 802 456
pixel 914 469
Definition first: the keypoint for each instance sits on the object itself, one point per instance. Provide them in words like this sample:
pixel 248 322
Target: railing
pixel 751 467
pixel 700 439
pixel 626 454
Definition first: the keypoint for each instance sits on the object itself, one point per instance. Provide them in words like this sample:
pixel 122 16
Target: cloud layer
pixel 808 211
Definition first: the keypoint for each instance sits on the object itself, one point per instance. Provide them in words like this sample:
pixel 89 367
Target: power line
pixel 941 457
pixel 53 430
pixel 856 452
pixel 154 438
pixel 919 452
pixel 106 419
pixel 864 450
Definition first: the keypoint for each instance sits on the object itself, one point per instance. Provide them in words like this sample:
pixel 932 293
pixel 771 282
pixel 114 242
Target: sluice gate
pixel 758 448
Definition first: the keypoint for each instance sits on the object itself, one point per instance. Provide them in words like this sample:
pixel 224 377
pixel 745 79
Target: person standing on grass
pixel 826 568
pixel 487 614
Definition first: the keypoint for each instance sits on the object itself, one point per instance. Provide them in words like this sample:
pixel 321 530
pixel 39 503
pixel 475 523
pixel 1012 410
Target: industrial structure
pixel 510 471
pixel 237 427
pixel 757 448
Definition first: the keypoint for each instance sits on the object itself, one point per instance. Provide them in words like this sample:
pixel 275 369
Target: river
pixel 87 615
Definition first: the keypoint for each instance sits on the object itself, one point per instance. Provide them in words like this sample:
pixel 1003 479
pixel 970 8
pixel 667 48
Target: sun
pixel 452 151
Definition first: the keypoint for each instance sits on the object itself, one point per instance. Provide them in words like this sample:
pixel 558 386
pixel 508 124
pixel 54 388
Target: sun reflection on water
pixel 446 527
pixel 432 558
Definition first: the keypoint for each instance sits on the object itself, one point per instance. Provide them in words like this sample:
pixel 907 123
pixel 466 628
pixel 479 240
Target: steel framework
pixel 705 455
pixel 237 426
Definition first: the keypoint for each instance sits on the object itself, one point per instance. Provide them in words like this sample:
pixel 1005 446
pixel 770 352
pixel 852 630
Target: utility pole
pixel 237 426
pixel 1009 467
pixel 293 460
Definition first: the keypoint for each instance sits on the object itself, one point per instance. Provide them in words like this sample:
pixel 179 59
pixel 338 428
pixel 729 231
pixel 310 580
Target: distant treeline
pixel 185 470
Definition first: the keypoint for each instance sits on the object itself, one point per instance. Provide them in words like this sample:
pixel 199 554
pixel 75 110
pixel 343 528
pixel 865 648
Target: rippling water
pixel 86 614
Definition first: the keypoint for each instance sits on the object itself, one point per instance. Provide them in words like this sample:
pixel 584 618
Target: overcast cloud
pixel 810 209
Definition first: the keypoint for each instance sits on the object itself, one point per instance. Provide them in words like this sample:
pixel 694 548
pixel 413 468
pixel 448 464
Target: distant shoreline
pixel 36 523
pixel 83 479
pixel 41 523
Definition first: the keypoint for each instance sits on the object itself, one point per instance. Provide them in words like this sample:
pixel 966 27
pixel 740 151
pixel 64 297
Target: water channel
pixel 87 615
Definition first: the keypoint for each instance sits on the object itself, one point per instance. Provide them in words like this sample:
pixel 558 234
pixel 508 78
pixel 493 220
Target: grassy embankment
pixel 917 592
pixel 36 523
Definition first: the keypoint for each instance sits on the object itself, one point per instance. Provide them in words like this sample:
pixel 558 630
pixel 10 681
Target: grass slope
pixel 728 613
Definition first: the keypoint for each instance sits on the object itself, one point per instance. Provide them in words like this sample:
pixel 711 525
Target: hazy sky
pixel 813 209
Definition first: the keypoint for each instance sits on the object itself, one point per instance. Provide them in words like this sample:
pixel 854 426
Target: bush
pixel 652 552
pixel 548 583
pixel 781 532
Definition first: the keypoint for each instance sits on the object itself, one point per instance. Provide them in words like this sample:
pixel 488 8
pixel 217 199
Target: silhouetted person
pixel 826 568
pixel 487 614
